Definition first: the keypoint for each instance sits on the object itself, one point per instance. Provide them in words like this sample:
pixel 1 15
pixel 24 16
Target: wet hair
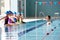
pixel 49 17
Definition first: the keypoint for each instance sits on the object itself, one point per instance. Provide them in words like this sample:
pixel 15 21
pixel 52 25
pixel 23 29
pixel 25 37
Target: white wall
pixel 11 5
pixel 14 5
pixel 7 5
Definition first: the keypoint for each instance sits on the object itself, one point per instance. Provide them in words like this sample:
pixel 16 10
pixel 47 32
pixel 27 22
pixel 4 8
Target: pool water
pixel 37 30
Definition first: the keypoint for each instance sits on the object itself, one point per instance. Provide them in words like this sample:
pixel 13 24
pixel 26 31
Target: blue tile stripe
pixel 28 30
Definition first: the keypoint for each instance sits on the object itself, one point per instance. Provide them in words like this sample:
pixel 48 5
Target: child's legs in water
pixel 8 31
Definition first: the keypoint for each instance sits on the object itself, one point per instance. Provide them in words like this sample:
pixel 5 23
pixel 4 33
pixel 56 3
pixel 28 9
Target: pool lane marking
pixel 26 31
pixel 48 34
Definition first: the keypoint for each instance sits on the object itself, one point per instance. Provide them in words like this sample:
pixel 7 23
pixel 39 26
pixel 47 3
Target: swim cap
pixel 9 12
pixel 14 12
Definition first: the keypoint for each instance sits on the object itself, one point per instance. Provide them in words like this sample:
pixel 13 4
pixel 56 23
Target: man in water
pixel 48 19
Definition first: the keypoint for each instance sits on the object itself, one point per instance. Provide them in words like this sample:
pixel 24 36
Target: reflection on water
pixel 12 33
pixel 11 36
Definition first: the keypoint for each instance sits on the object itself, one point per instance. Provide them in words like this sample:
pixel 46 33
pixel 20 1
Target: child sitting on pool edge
pixel 48 19
pixel 20 18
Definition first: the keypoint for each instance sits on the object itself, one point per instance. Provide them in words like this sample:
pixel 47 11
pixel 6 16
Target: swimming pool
pixel 38 30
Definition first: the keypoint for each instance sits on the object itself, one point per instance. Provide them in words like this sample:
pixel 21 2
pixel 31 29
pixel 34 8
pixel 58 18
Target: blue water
pixel 40 33
pixel 37 30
